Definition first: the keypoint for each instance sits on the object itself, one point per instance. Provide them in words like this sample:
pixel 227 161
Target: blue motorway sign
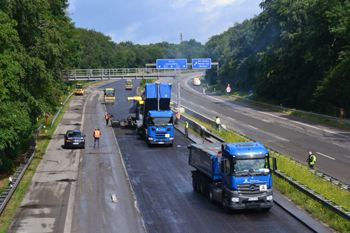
pixel 202 63
pixel 171 63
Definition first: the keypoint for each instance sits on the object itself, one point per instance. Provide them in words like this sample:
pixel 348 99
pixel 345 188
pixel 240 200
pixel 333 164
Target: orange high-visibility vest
pixel 97 133
pixel 106 116
pixel 177 115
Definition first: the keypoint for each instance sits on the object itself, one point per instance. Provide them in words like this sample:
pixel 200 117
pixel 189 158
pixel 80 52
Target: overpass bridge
pixel 122 73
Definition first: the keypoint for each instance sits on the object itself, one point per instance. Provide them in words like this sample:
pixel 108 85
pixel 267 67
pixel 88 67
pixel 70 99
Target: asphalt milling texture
pixel 161 179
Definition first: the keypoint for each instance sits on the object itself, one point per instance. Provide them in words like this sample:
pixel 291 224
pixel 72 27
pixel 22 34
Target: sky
pixel 152 21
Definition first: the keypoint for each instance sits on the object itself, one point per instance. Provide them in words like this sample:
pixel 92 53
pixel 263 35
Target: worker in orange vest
pixel 97 135
pixel 107 118
pixel 177 118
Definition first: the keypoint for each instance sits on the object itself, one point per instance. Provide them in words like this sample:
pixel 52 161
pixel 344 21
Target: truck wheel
pixel 211 195
pixel 198 182
pixel 194 181
pixel 225 205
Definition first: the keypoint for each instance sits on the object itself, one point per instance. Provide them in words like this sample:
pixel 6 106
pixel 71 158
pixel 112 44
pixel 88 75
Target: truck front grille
pixel 250 190
pixel 160 135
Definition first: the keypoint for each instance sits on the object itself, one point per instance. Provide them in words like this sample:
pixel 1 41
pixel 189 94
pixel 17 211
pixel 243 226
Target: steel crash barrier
pixel 16 178
pixel 320 198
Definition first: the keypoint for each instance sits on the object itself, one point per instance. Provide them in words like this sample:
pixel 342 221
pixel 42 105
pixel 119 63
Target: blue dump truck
pixel 151 114
pixel 237 175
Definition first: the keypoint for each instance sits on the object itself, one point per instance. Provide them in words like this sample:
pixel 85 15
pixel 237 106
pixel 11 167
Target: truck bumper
pixel 160 143
pixel 264 201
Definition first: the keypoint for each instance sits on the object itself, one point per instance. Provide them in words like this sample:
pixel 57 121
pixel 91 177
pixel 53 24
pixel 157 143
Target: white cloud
pixel 178 3
pixel 127 34
pixel 211 4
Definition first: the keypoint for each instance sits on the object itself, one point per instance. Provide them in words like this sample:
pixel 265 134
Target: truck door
pixel 226 171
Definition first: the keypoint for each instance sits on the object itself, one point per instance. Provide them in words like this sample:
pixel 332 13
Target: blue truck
pixel 151 114
pixel 237 175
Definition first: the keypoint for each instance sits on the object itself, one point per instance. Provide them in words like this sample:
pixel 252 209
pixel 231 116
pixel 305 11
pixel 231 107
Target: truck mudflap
pixel 238 201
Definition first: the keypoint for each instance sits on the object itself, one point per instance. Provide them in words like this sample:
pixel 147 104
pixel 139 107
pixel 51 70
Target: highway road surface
pixel 71 190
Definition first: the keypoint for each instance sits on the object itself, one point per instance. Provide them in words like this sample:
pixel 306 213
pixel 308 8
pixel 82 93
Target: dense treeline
pixel 296 52
pixel 38 41
pixel 98 51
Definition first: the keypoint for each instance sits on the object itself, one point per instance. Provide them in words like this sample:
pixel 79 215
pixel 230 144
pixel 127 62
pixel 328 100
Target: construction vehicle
pixel 128 84
pixel 109 95
pixel 151 114
pixel 237 175
pixel 196 82
pixel 79 89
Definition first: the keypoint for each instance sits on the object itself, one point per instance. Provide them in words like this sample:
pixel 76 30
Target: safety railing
pixel 122 73
pixel 323 200
pixel 16 178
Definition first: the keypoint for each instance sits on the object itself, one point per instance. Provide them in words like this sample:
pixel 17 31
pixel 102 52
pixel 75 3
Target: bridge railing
pixel 121 73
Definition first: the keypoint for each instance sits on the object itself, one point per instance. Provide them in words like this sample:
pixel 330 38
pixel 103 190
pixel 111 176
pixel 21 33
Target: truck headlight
pixel 235 199
pixel 150 139
pixel 269 198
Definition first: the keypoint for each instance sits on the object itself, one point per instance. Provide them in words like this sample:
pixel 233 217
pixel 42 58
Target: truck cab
pixel 237 175
pixel 109 95
pixel 160 129
pixel 79 89
pixel 246 176
pixel 128 84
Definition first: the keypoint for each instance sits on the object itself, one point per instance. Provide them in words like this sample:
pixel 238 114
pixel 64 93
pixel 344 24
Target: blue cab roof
pixel 160 113
pixel 246 150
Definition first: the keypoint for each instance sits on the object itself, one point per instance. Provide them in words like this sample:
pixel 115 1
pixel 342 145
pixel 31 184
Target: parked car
pixel 74 138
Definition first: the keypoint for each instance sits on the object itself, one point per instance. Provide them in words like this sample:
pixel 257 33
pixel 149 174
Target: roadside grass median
pixel 42 142
pixel 303 175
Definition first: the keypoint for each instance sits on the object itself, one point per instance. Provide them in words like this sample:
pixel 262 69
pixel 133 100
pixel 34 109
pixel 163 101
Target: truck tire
pixel 194 181
pixel 225 204
pixel 211 195
pixel 198 182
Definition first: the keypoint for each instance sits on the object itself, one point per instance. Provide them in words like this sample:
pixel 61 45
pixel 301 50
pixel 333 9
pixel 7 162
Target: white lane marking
pixel 347 156
pixel 213 111
pixel 70 207
pixel 281 118
pixel 231 118
pixel 253 127
pixel 325 156
pixel 202 106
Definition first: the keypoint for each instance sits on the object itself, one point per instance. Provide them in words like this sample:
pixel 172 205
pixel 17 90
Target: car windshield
pixel 128 82
pixel 249 166
pixel 160 121
pixel 74 134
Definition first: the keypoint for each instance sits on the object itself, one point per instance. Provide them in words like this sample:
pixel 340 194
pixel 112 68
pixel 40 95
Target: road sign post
pixel 228 88
pixel 250 94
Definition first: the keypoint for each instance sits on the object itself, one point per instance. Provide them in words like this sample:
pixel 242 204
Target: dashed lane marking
pixel 325 156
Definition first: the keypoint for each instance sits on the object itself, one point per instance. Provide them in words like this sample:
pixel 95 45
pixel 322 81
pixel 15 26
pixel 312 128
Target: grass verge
pixel 288 166
pixel 43 141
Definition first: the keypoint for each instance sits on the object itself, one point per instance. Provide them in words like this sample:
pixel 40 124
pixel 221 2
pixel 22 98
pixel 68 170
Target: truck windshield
pixel 160 121
pixel 128 82
pixel 79 86
pixel 249 166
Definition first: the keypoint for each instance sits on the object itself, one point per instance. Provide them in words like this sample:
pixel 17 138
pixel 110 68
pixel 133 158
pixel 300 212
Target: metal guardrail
pixel 7 193
pixel 123 73
pixel 331 205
